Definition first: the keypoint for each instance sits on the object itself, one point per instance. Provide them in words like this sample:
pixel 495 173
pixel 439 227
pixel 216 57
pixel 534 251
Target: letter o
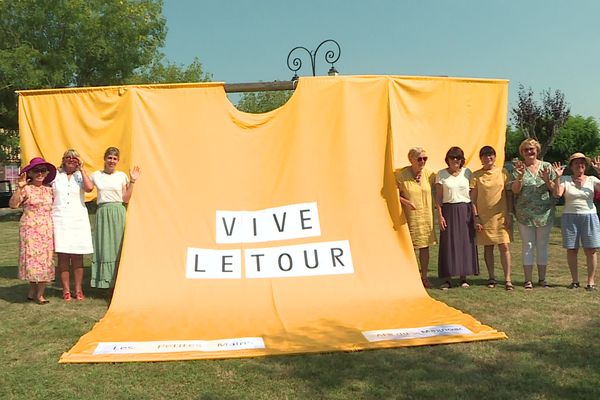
pixel 289 261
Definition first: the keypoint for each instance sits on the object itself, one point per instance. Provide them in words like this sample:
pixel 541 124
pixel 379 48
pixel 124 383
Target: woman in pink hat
pixel 579 222
pixel 36 250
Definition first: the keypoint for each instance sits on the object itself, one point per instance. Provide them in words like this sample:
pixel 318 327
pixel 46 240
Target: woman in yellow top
pixel 492 205
pixel 414 184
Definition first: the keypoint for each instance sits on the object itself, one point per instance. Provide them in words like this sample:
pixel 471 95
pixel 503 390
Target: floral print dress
pixel 36 257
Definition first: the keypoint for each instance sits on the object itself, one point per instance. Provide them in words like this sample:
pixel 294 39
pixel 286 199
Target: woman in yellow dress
pixel 493 221
pixel 414 185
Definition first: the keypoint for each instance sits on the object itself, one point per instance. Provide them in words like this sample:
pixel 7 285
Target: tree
pixel 541 122
pixel 47 44
pixel 579 134
pixel 168 72
pixel 260 102
pixel 75 43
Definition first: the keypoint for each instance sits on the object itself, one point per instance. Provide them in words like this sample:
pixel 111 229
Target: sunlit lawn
pixel 553 350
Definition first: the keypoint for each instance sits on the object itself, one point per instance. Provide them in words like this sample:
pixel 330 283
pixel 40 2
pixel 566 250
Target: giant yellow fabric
pixel 333 147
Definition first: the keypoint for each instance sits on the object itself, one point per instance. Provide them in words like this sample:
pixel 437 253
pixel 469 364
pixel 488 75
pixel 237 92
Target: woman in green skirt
pixel 114 188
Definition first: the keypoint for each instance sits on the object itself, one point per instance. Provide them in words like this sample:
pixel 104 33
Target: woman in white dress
pixel 72 233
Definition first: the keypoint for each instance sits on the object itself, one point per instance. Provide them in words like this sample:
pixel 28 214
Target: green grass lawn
pixel 553 350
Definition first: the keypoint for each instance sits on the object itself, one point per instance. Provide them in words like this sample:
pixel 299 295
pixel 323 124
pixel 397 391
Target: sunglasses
pixel 421 159
pixel 456 158
pixel 39 170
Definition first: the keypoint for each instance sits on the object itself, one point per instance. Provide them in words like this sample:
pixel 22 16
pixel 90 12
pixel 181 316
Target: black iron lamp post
pixel 331 57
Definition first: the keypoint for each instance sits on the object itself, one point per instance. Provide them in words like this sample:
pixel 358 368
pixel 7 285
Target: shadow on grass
pixel 546 367
pixel 17 293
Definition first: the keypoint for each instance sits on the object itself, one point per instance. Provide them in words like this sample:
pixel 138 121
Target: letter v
pixel 228 232
pixel 282 226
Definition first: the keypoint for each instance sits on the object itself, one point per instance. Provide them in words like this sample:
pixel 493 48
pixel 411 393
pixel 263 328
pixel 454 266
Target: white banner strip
pixel 278 223
pixel 179 346
pixel 309 259
pixel 416 333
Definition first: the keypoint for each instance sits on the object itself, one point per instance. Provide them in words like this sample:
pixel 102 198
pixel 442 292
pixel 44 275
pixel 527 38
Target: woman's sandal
pixel 528 285
pixel 590 288
pixel 446 285
pixel 543 283
pixel 464 284
pixel 79 296
pixel 508 285
pixel 573 285
pixel 491 283
pixel 67 296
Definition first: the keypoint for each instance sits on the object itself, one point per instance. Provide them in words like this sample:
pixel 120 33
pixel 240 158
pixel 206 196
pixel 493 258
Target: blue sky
pixel 543 44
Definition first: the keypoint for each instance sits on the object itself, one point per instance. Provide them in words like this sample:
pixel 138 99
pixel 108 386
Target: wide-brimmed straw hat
pixel 37 161
pixel 575 156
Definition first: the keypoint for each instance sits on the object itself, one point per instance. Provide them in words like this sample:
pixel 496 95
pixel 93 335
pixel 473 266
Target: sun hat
pixel 37 161
pixel 575 156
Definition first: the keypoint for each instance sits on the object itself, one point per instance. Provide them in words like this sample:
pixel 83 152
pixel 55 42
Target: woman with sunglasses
pixel 493 220
pixel 36 248
pixel 114 188
pixel 533 185
pixel 457 252
pixel 414 185
pixel 72 234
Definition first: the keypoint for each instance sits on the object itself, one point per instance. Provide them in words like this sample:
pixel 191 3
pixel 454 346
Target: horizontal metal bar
pixel 260 86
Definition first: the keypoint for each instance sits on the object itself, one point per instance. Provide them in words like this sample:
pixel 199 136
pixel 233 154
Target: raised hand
pixel 559 169
pixel 22 180
pixel 520 169
pixel 596 164
pixel 135 173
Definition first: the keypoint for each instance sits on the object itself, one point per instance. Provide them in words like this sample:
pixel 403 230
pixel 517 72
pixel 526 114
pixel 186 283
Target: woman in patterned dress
pixel 532 185
pixel 36 249
pixel 492 204
pixel 414 186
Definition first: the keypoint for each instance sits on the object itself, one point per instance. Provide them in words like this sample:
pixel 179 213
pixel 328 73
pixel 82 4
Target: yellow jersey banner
pixel 264 234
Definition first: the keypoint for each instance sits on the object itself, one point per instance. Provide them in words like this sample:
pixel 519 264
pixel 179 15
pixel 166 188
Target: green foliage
pixel 168 72
pixel 75 43
pixel 46 44
pixel 578 134
pixel 261 102
pixel 514 137
pixel 9 145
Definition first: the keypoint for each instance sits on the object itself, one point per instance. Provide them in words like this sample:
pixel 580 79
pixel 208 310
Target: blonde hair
pixel 68 153
pixel 414 152
pixel 530 142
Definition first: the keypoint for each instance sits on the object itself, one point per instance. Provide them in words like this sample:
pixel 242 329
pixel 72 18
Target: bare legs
pixel 65 261
pixel 591 257
pixel 36 292
pixel 505 261
pixel 424 264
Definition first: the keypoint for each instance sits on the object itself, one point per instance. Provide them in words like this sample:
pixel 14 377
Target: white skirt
pixel 72 232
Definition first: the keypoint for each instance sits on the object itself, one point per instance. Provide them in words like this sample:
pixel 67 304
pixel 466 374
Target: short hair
pixel 455 151
pixel 530 142
pixel 487 151
pixel 414 152
pixel 68 153
pixel 112 151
